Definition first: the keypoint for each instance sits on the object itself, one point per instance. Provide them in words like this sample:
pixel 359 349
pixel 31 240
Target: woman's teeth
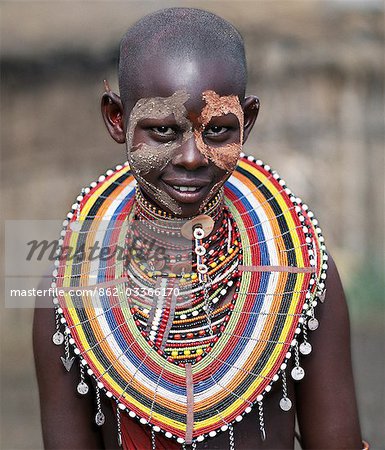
pixel 185 188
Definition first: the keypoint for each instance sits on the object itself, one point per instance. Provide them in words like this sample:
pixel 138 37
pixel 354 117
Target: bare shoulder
pixel 326 396
pixel 66 419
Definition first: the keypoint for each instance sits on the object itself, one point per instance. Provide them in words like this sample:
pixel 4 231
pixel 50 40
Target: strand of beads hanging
pixel 189 337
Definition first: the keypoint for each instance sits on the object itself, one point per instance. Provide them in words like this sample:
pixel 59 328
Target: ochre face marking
pixel 226 156
pixel 143 157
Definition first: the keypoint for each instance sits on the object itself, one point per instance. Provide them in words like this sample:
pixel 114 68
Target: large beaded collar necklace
pixel 189 342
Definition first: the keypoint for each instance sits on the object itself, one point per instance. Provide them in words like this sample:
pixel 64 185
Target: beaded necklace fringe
pixel 190 363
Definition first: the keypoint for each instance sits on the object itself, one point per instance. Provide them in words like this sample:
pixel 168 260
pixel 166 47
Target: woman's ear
pixel 112 112
pixel 250 107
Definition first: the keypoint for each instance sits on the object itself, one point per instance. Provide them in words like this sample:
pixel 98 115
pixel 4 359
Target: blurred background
pixel 318 69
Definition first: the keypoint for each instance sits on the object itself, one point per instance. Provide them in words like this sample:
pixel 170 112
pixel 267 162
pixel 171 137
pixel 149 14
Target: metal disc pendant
pixel 99 418
pixel 297 373
pixel 82 388
pixel 305 348
pixel 76 226
pixel 312 324
pixel 58 338
pixel 205 222
pixel 285 404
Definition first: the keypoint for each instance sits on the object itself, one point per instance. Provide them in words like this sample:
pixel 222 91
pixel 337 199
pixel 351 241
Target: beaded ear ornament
pixel 205 348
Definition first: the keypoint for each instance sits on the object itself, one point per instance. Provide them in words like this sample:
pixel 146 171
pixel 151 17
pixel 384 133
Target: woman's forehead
pixel 162 77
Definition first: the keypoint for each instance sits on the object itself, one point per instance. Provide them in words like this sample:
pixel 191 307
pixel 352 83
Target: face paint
pixel 143 157
pixel 226 156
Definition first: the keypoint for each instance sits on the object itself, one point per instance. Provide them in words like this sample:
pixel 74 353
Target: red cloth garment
pixel 136 436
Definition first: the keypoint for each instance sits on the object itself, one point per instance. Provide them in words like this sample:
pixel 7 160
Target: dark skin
pixel 324 400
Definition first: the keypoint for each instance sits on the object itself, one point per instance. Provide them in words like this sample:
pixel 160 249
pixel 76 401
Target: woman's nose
pixel 189 156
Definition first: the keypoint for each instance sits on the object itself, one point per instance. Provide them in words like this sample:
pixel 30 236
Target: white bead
pixel 195 313
pixel 55 301
pixel 288 355
pixel 267 167
pixel 212 433
pixel 62 320
pixel 71 340
pixel 259 162
pixel 156 429
pixel 119 167
pixel 90 372
pixel 250 158
pixel 200 438
pixel 132 414
pixel 268 388
pixel 93 184
pixel 248 410
pixel 183 316
pixel 87 190
pixel 275 377
pixel 282 182
pixel 223 291
pixel 70 215
pixel 143 421
pixel 283 366
pixel 224 428
pixel 101 178
pixel 109 172
pixel 74 206
pixel 180 440
pixel 293 342
pixel 109 394
pixel 238 418
pixel 100 385
pixel 297 330
pixel 79 198
pixel 121 406
pixel 259 398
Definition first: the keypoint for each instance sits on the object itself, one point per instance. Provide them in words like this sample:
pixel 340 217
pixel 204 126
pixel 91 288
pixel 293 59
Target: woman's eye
pixel 215 131
pixel 164 131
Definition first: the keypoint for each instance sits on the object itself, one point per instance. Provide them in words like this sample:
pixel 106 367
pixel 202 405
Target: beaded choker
pixel 189 343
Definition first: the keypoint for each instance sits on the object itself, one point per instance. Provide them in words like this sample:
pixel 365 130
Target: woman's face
pixel 182 148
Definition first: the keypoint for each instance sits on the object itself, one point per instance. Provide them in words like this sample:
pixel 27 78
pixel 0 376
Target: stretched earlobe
pixel 112 113
pixel 250 108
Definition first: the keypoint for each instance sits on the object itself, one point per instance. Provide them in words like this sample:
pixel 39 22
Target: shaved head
pixel 177 37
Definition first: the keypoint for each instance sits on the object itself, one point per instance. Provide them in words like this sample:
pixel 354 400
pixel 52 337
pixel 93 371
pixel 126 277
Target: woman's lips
pixel 184 192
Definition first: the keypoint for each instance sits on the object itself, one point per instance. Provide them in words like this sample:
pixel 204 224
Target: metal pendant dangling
pixel 231 438
pixel 153 440
pixel 58 336
pixel 99 417
pixel 261 421
pixel 68 360
pixel 285 402
pixel 305 347
pixel 297 373
pixel 119 426
pixel 82 387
